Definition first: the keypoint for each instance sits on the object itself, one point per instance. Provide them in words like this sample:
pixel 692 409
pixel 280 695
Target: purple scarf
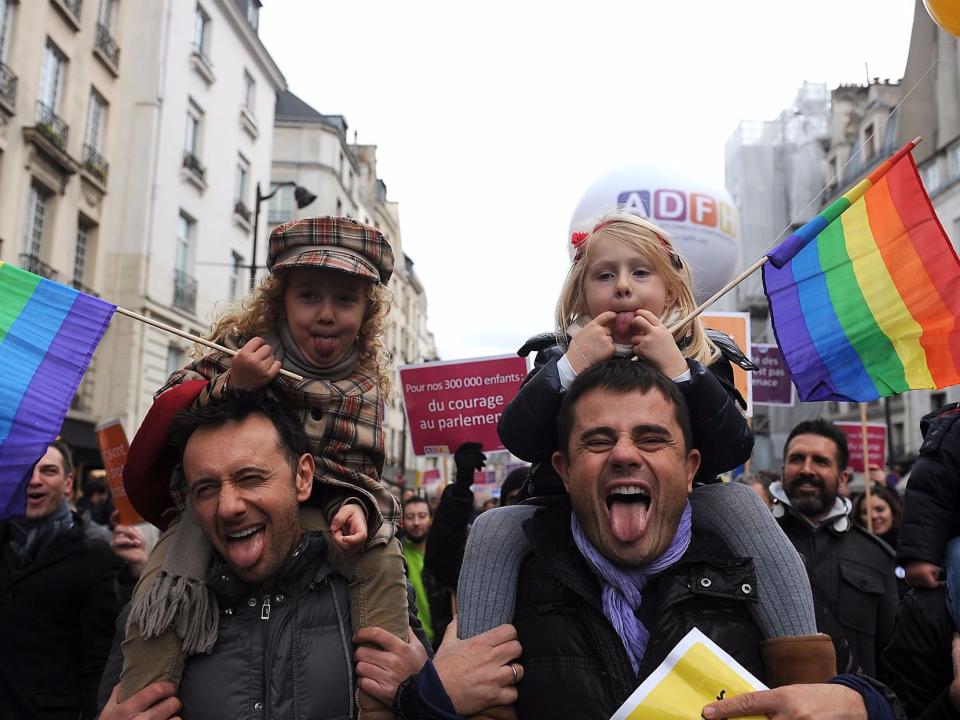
pixel 623 587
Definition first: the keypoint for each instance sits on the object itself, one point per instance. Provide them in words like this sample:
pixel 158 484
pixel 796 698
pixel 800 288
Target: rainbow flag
pixel 48 333
pixel 865 298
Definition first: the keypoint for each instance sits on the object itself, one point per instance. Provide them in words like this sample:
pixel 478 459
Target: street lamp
pixel 303 197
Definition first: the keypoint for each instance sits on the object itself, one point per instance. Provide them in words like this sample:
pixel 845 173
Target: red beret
pixel 150 460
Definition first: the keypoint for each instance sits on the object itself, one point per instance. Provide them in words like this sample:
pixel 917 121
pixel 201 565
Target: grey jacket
pixel 284 655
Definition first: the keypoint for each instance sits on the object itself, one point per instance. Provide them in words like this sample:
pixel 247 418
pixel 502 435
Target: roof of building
pixel 291 108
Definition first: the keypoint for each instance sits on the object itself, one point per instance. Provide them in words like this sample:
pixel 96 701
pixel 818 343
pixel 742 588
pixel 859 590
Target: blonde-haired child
pixel 320 313
pixel 626 286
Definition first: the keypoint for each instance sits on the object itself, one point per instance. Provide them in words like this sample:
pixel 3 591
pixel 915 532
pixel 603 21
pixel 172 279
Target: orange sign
pixel 737 325
pixel 113 449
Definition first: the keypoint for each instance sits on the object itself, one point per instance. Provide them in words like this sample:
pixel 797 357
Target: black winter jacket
pixel 854 587
pixel 919 658
pixel 56 624
pixel 574 663
pixel 931 506
pixel 528 426
pixel 287 654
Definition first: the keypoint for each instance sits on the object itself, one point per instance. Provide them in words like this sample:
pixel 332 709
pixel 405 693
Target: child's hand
pixel 921 574
pixel 254 366
pixel 654 343
pixel 593 344
pixel 349 527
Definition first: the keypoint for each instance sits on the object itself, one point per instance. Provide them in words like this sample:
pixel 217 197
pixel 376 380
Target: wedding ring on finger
pixel 516 677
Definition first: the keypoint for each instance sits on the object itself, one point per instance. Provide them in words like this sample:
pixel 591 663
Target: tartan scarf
pixel 623 587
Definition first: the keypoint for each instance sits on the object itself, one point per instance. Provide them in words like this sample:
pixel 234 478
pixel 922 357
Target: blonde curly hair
pixel 262 313
pixel 653 243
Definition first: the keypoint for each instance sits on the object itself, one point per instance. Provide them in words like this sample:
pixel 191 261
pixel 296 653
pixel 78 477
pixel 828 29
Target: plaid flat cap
pixel 338 243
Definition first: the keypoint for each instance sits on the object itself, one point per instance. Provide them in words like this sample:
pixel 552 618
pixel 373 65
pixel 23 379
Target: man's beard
pixel 810 505
pixel 413 538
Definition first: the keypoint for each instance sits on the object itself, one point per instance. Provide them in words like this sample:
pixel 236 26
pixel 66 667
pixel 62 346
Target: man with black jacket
pixel 851 571
pixel 58 601
pixel 617 576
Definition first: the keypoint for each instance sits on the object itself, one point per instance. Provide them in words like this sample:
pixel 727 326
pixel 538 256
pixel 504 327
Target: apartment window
pixel 240 186
pixel 51 84
pixel 281 206
pixel 953 160
pixel 84 230
pixel 870 142
pixel 107 15
pixel 174 359
pixel 253 13
pixel 6 21
pixel 194 129
pixel 201 32
pixel 931 175
pixel 96 118
pixel 249 91
pixel 339 208
pixel 236 275
pixel 36 218
pixel 184 233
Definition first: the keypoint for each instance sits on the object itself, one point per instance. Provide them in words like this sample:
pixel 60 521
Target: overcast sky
pixel 492 119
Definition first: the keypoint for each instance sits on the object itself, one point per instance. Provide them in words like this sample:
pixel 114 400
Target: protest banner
pixel 876 443
pixel 737 326
pixel 113 449
pixel 771 383
pixel 696 672
pixel 452 402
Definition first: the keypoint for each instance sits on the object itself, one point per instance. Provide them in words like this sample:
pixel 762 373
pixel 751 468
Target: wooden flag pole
pixel 758 263
pixel 866 465
pixel 199 340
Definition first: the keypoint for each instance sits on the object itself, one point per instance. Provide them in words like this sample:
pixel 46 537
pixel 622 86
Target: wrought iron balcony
pixel 94 163
pixel 52 125
pixel 71 7
pixel 8 88
pixel 184 291
pixel 242 210
pixel 107 46
pixel 192 163
pixel 33 264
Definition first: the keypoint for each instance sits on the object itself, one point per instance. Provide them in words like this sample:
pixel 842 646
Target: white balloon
pixel 701 219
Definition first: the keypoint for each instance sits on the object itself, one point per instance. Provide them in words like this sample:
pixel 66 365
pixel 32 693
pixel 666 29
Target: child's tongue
pixel 324 346
pixel 622 331
pixel 628 520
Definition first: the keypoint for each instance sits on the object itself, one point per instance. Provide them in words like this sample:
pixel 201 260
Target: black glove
pixel 467 459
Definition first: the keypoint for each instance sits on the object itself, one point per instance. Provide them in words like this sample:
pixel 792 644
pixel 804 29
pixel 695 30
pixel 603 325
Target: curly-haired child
pixel 321 314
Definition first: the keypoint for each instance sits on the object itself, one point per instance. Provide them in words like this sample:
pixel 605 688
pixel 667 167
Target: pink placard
pixel 450 403
pixel 876 443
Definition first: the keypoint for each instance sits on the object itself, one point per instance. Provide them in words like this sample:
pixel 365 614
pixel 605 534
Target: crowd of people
pixel 288 582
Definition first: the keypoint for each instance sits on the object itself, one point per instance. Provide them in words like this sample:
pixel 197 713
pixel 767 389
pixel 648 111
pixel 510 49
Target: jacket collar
pixel 307 564
pixel 837 519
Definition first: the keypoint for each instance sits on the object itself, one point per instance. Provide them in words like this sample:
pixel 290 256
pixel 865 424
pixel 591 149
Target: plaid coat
pixel 343 421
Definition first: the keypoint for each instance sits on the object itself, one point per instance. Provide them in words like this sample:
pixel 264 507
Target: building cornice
pixel 253 43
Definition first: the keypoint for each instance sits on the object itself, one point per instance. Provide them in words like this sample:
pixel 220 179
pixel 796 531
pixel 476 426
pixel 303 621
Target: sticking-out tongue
pixel 628 520
pixel 324 346
pixel 245 552
pixel 621 330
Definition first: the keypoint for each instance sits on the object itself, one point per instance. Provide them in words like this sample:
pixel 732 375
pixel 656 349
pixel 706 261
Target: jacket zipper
pixel 265 608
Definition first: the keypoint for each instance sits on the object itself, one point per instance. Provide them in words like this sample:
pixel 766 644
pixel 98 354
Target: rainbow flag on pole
pixel 48 333
pixel 865 298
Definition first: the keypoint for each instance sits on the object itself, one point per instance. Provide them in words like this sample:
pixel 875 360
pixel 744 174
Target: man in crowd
pixel 433 599
pixel 618 577
pixel 851 571
pixel 245 468
pixel 58 601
